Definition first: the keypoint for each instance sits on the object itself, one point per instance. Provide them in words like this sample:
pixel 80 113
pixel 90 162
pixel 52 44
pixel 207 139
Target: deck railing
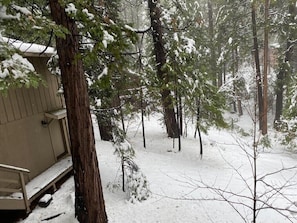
pixel 15 185
pixel 19 194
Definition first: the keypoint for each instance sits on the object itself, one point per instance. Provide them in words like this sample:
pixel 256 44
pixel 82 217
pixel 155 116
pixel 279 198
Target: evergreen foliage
pixel 15 71
pixel 119 62
pixel 284 27
pixel 134 182
pixel 187 63
pixel 22 21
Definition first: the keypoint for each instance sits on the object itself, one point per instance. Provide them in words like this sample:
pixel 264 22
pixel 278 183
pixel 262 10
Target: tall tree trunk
pixel 104 118
pixel 237 105
pixel 279 96
pixel 105 124
pixel 198 127
pixel 235 91
pixel 180 115
pixel 265 70
pixel 239 95
pixel 89 202
pixel 257 63
pixel 283 72
pixel 162 73
pixel 142 116
pixel 213 63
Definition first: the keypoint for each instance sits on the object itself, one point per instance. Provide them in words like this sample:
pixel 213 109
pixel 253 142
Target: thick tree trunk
pixel 89 202
pixel 257 63
pixel 283 73
pixel 160 54
pixel 105 124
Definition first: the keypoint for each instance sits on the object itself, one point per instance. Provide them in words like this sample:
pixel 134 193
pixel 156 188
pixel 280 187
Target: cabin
pixel 34 139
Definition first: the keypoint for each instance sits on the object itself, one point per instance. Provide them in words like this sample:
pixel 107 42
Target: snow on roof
pixel 30 49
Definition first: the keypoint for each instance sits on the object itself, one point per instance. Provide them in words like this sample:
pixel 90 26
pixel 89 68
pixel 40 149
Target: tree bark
pixel 257 63
pixel 213 63
pixel 89 202
pixel 283 72
pixel 238 94
pixel 105 124
pixel 180 115
pixel 142 116
pixel 162 73
pixel 198 127
pixel 265 70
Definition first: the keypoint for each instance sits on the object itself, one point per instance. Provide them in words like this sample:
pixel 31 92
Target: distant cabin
pixel 34 139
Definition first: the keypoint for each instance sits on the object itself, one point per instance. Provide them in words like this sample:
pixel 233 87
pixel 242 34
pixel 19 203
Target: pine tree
pixel 89 202
pixel 161 69
pixel 257 65
pixel 286 61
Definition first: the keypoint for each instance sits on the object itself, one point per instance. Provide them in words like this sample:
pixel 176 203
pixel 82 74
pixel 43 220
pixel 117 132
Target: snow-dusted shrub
pixel 265 142
pixel 137 184
pixel 289 129
pixel 134 181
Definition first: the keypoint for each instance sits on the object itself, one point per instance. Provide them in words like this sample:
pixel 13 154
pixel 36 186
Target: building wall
pixel 24 141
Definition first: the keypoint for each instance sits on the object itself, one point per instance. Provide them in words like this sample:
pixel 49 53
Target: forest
pixel 204 83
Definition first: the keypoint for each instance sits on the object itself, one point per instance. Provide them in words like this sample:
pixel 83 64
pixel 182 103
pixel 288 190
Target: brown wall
pixel 24 142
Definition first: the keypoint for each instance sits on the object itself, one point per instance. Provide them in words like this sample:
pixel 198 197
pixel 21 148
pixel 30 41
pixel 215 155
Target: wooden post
pixel 24 192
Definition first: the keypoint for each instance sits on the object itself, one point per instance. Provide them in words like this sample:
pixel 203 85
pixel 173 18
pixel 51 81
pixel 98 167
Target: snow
pixel 46 198
pixel 23 10
pixel 28 47
pixel 71 9
pixel 13 168
pixel 4 15
pixel 41 181
pixel 89 15
pixel 175 37
pixel 103 73
pixel 175 177
pixel 18 65
pixel 107 38
pixel 190 45
pixel 130 28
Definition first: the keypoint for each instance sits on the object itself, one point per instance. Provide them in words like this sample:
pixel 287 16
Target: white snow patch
pixel 18 66
pixel 190 45
pixel 71 9
pixel 130 28
pixel 90 15
pixel 175 37
pixel 22 10
pixel 28 47
pixel 46 198
pixel 104 72
pixel 4 15
pixel 107 38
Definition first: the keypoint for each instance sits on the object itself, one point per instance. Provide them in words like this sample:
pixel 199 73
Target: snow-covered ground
pixel 177 179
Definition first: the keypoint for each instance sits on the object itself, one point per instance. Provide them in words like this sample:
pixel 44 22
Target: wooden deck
pixel 22 197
